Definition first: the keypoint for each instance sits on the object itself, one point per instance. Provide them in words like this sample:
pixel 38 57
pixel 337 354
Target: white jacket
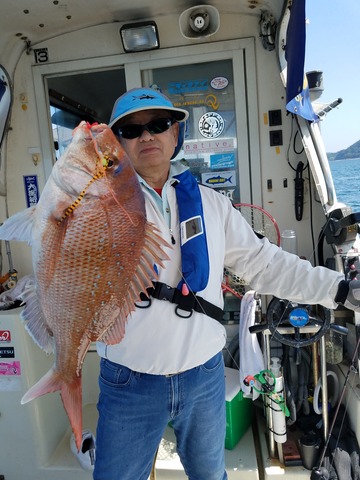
pixel 157 341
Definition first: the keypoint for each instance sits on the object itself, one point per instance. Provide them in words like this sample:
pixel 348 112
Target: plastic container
pixel 289 241
pixel 309 446
pixel 334 347
pixel 238 409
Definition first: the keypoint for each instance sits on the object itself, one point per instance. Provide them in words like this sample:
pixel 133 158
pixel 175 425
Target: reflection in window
pixel 63 124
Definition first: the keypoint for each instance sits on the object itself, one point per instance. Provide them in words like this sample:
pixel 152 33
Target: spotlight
pixel 139 37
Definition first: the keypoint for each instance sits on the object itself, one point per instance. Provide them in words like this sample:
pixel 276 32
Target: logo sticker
pixel 5 336
pixel 211 125
pixel 7 352
pixel 10 368
pixel 220 179
pixel 228 193
pixel 223 160
pixel 210 100
pixel 218 83
pixel 189 86
pixel 208 146
pixel 31 190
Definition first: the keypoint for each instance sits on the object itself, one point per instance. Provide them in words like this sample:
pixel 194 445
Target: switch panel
pixel 275 118
pixel 276 138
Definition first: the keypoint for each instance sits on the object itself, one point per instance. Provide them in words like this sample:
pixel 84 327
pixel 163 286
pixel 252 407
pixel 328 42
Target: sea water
pixel 346 177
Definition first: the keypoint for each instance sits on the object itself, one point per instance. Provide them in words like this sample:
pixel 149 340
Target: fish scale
pixel 93 253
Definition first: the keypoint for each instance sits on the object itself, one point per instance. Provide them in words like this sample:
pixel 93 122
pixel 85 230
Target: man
pixel 169 366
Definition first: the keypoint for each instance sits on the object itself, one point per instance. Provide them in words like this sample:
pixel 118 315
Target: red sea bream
pixel 93 253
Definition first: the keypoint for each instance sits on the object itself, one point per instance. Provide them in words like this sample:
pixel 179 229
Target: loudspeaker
pixel 198 22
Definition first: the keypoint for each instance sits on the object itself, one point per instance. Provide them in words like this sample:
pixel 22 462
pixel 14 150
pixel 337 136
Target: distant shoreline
pixel 340 159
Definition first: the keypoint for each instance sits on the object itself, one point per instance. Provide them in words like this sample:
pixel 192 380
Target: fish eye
pixel 109 161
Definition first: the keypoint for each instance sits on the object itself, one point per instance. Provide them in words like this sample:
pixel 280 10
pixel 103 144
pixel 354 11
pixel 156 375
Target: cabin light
pixel 139 37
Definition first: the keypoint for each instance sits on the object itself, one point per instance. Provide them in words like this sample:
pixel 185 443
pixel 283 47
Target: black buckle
pixel 145 301
pixel 179 310
pixel 185 304
pixel 164 292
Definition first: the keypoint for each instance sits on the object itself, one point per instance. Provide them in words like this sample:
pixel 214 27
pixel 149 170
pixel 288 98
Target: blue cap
pixel 139 99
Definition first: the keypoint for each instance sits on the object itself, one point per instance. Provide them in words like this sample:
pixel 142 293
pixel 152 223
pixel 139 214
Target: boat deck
pixel 249 460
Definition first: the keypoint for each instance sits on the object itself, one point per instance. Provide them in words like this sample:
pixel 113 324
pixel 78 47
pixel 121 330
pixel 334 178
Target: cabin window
pixel 206 90
pixel 87 96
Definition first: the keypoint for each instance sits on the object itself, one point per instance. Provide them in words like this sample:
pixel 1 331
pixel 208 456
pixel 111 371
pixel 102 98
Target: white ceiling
pixel 37 20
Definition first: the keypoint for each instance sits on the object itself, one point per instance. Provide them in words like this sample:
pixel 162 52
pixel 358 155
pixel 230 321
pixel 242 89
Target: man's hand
pixel 348 294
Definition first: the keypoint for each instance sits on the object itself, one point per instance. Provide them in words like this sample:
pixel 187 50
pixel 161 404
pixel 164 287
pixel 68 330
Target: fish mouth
pixel 87 131
pixel 96 129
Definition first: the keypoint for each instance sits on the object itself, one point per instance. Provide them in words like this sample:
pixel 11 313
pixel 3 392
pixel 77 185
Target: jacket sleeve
pixel 270 270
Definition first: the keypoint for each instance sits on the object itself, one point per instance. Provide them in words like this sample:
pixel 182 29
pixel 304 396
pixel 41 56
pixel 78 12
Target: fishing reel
pixel 342 226
pixel 296 325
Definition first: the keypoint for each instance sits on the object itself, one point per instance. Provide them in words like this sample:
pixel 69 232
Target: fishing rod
pixel 319 472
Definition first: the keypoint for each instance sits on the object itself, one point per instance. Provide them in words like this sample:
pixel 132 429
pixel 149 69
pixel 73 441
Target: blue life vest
pixel 194 249
pixel 194 256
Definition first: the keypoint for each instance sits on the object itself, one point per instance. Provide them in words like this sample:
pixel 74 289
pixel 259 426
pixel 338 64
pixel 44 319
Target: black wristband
pixel 342 293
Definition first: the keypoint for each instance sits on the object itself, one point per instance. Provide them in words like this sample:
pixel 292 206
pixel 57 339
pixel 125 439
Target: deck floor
pixel 249 460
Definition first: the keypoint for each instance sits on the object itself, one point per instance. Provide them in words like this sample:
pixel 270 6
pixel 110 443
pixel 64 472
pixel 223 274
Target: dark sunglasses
pixel 154 127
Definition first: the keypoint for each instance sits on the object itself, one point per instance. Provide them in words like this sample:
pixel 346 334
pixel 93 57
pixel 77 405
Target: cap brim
pixel 179 114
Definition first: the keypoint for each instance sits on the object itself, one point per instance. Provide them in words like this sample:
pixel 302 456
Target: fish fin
pixel 145 273
pixel 154 246
pixel 71 396
pixel 115 333
pixel 34 319
pixel 82 351
pixel 50 382
pixel 18 226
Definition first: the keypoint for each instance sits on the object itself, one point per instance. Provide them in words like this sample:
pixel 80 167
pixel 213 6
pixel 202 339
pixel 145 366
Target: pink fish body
pixel 93 253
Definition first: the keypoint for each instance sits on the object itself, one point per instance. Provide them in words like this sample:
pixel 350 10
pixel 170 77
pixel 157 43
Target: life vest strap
pixel 188 303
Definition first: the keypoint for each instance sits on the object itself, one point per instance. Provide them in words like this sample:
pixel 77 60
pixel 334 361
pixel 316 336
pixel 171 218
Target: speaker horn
pixel 198 22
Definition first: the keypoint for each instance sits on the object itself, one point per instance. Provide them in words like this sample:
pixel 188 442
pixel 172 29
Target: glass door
pixel 210 146
pixel 213 88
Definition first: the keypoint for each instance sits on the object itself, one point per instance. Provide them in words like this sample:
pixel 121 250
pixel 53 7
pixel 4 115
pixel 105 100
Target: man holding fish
pixel 169 365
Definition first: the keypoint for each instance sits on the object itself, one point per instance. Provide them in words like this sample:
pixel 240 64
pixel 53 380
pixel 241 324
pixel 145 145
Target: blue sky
pixel 332 45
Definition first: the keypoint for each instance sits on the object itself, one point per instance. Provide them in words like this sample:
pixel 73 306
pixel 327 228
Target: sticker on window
pixel 211 125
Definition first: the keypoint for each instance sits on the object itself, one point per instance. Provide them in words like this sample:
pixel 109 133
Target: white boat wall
pixel 61 62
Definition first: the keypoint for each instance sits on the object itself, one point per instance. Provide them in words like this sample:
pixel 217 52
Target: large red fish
pixel 93 253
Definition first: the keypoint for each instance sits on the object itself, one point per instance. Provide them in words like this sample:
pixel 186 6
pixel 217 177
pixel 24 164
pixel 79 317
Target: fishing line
pixel 106 158
pixel 76 203
pixel 100 173
pixel 101 166
pixel 350 369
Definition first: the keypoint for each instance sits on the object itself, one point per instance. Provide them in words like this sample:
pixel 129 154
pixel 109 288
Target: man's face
pixel 150 153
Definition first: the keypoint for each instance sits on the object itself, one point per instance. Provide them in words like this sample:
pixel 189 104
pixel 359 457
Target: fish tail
pixel 71 395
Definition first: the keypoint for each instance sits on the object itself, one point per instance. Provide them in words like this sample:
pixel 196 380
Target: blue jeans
pixel 135 408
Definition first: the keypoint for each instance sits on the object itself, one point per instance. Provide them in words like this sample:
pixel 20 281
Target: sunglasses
pixel 154 127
